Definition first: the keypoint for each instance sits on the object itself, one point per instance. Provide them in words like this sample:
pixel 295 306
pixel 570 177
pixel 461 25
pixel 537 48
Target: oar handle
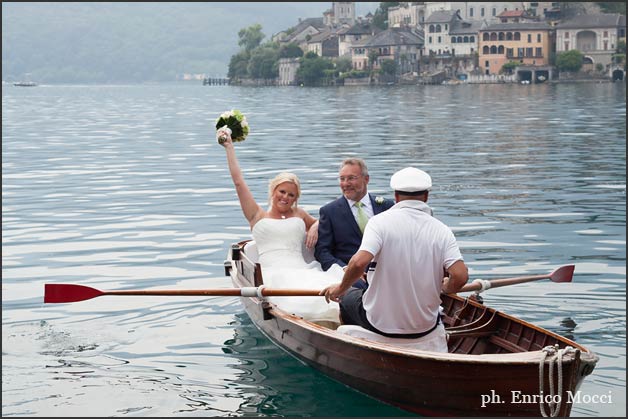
pixel 562 274
pixel 478 285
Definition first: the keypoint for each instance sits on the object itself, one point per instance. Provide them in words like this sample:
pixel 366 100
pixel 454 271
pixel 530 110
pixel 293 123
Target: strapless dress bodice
pixel 280 241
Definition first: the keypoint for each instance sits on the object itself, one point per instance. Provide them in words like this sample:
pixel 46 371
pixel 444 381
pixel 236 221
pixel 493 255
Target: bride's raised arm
pixel 251 209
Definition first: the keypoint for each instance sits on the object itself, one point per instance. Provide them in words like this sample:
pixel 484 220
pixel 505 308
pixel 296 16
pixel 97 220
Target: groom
pixel 341 222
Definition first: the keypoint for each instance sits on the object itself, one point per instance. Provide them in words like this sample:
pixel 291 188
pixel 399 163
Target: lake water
pixel 125 187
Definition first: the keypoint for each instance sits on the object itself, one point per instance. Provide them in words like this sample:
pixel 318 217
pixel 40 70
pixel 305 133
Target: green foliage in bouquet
pixel 236 122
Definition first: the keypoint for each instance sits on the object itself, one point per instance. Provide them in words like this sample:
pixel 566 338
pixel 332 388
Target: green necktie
pixel 362 218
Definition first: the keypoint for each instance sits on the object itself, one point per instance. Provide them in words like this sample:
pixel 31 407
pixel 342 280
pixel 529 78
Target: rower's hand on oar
pixel 332 293
pixel 446 286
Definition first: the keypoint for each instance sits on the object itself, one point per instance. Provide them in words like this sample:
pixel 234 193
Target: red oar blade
pixel 563 274
pixel 68 293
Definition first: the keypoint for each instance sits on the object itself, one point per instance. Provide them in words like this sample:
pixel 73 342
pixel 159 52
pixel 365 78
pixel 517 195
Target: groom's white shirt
pixel 366 206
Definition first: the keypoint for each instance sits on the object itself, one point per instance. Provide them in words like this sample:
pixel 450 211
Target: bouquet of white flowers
pixel 235 123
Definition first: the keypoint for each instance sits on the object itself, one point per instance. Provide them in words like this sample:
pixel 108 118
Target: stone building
pixel 406 14
pixel 357 34
pixel 287 71
pixel 596 36
pixel 526 43
pixel 475 10
pixel 400 45
pixel 340 13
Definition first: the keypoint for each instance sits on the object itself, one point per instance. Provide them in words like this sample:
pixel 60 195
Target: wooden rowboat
pixel 495 365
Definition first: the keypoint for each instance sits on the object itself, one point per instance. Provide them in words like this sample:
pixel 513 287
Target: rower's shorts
pixel 352 312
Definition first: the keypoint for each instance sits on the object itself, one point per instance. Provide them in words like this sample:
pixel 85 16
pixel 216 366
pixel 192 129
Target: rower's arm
pixel 458 277
pixel 355 269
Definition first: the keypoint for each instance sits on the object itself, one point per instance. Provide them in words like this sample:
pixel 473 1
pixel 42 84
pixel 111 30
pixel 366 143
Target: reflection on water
pixel 272 383
pixel 124 187
pixel 568 325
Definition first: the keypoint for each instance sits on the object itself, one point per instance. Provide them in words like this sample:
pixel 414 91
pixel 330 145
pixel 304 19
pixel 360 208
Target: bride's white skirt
pixel 311 277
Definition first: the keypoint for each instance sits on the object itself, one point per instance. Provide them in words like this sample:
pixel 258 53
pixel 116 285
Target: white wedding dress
pixel 281 249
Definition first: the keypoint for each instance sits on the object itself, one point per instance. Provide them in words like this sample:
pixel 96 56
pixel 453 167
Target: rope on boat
pixel 556 360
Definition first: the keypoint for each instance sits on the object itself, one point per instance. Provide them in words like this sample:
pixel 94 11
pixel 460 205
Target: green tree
pixel 612 7
pixel 373 54
pixel 389 67
pixel 508 67
pixel 251 37
pixel 238 65
pixel 344 64
pixel 404 63
pixel 291 50
pixel 263 63
pixel 311 72
pixel 380 18
pixel 569 60
pixel 620 53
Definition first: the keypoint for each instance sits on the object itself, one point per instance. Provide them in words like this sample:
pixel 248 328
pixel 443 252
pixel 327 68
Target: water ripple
pixel 124 187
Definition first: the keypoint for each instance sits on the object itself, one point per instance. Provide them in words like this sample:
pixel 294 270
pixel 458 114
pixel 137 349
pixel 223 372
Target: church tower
pixel 343 12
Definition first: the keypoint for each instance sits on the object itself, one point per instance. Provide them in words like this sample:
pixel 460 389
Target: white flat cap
pixel 410 179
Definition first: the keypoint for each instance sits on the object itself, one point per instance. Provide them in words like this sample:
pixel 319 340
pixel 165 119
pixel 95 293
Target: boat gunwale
pixel 531 357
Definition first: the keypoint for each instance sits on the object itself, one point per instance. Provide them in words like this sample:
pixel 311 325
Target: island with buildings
pixel 438 43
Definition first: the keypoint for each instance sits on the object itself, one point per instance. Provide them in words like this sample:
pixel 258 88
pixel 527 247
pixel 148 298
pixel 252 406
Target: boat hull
pixel 469 383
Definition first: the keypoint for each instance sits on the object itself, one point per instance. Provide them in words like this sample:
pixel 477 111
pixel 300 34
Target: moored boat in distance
pixel 497 364
pixel 25 84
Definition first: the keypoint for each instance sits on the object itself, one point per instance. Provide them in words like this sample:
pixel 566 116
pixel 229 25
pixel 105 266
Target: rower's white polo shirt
pixel 411 249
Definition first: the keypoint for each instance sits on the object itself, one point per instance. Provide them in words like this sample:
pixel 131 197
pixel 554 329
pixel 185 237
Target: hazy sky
pixel 316 9
pixel 78 41
pixel 270 14
pixel 361 8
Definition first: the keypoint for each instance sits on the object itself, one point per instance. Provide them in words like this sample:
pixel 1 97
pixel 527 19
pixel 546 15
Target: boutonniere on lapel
pixel 379 200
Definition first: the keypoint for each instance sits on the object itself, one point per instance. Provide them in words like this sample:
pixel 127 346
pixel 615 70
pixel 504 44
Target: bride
pixel 281 234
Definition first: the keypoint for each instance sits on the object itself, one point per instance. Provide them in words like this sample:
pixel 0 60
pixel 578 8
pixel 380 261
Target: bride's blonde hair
pixel 278 180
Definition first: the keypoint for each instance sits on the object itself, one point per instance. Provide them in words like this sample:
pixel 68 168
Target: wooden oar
pixel 69 293
pixel 562 274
